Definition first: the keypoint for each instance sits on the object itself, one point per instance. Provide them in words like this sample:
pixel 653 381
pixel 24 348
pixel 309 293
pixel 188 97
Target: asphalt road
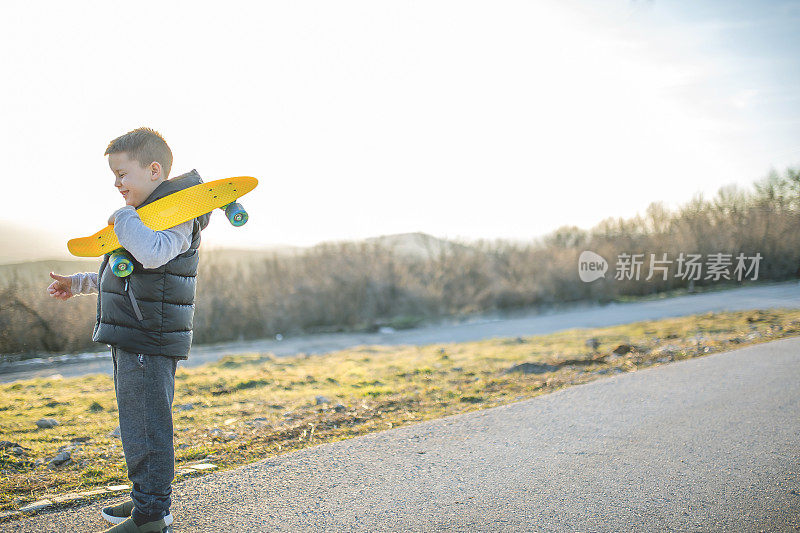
pixel 707 444
pixel 764 296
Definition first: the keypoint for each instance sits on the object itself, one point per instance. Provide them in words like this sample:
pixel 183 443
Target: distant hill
pixel 22 245
pixel 417 244
pixel 33 250
pixel 245 254
pixel 420 245
pixel 19 243
pixel 38 271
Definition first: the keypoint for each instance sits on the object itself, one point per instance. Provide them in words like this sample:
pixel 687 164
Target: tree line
pixel 366 285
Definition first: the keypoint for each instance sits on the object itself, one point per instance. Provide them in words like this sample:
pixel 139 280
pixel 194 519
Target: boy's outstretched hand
pixel 61 288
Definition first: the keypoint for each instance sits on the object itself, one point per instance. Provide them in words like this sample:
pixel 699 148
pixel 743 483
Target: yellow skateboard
pixel 172 210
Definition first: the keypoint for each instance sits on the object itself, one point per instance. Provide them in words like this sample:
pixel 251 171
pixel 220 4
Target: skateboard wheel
pixel 236 214
pixel 121 265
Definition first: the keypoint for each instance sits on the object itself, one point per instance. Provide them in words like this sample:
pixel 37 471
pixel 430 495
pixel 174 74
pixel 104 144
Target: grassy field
pixel 245 408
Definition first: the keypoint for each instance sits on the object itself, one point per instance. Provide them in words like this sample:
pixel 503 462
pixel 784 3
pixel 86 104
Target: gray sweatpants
pixel 145 388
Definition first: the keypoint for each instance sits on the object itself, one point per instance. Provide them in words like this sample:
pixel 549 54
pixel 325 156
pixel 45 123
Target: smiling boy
pixel 146 318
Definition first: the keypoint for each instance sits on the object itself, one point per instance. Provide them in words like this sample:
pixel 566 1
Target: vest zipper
pixel 135 305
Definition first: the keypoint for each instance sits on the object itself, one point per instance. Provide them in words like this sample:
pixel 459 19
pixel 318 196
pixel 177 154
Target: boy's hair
pixel 145 145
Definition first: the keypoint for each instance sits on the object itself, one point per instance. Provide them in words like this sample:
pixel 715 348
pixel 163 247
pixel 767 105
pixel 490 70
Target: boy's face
pixel 134 182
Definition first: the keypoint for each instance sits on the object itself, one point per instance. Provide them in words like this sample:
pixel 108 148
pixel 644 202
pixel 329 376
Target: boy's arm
pixel 151 248
pixel 84 283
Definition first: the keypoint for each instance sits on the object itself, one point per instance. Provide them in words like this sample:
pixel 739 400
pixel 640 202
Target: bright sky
pixel 459 119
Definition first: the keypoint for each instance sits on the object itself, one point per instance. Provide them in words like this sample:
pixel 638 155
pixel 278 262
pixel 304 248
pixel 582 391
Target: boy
pixel 146 319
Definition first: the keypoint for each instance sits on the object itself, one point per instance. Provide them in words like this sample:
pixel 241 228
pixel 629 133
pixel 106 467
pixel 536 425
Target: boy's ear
pixel 155 170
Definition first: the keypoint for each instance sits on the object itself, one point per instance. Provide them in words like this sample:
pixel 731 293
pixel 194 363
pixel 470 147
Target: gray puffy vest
pixel 151 310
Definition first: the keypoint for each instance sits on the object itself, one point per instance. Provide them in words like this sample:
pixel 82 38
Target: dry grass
pixel 378 387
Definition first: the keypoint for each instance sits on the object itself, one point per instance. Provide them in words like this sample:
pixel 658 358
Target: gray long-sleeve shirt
pixel 151 248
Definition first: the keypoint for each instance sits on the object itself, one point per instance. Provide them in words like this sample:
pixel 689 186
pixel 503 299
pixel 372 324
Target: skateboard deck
pixel 169 211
